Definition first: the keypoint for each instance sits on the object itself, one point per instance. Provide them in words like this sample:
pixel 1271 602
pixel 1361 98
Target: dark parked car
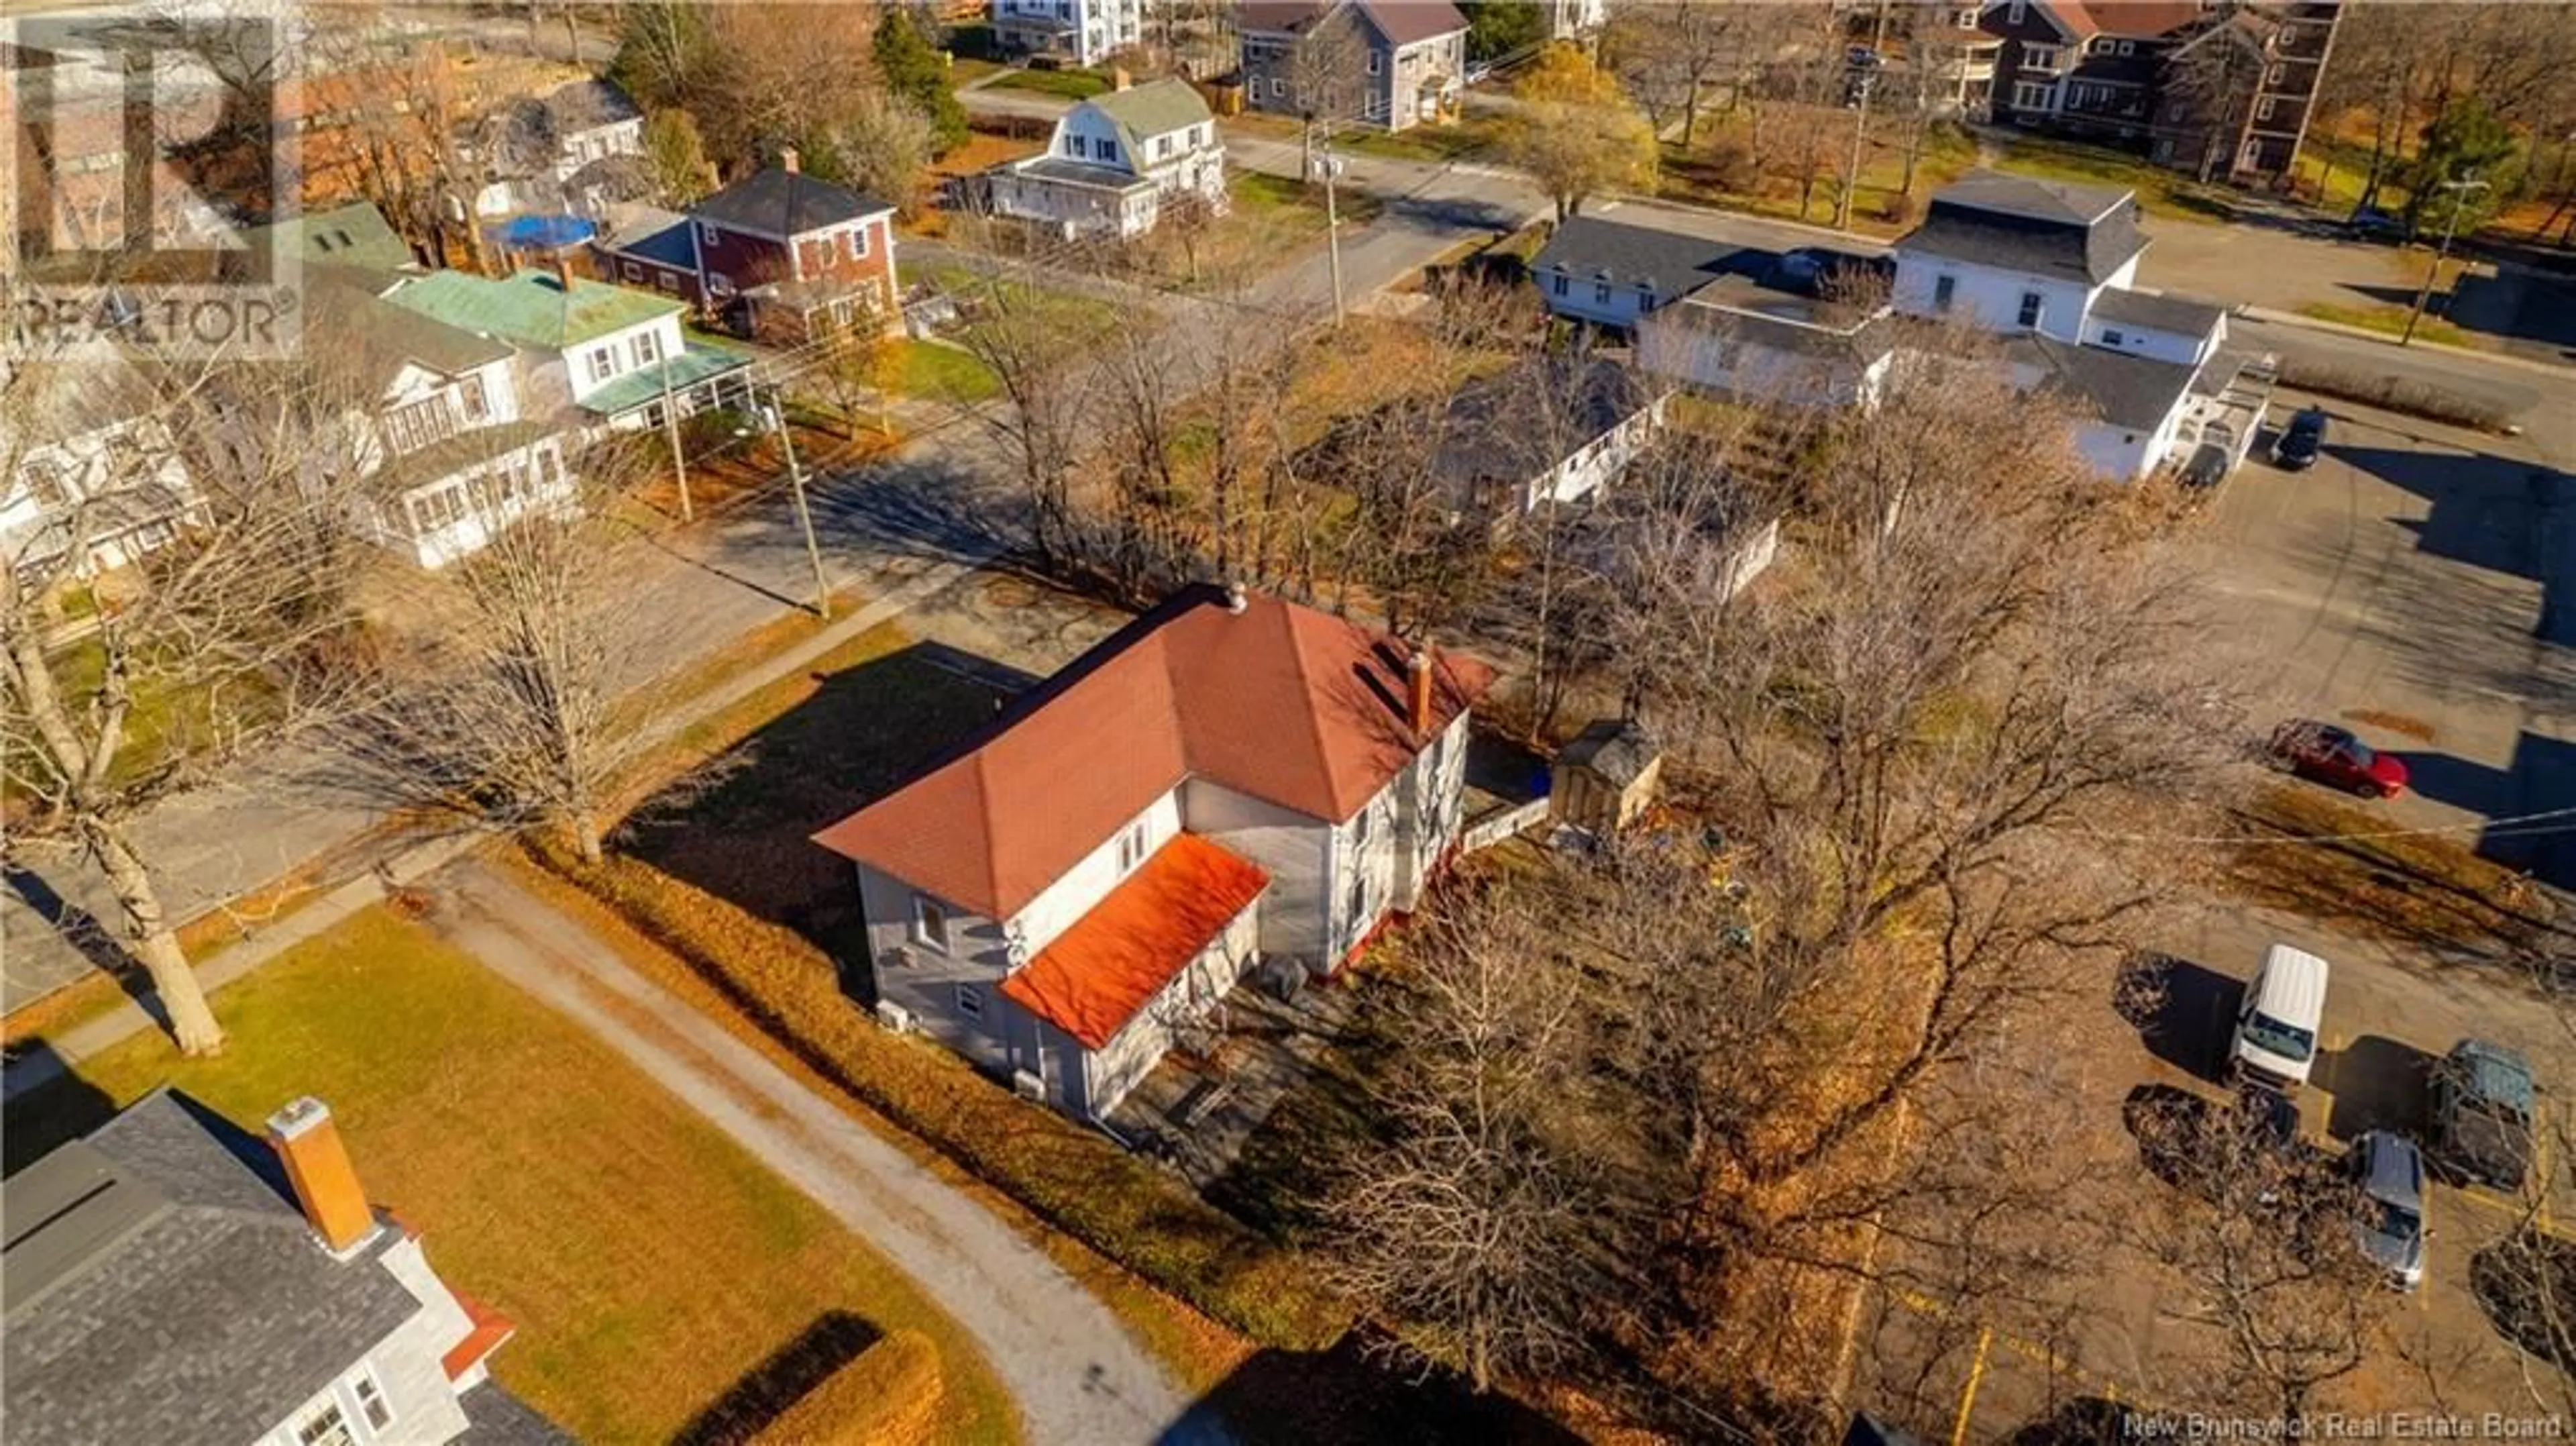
pixel 2209 466
pixel 2297 447
pixel 2369 223
pixel 2332 756
pixel 2482 1099
pixel 2389 1172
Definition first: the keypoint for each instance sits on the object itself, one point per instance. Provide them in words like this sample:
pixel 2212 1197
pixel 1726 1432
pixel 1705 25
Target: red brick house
pixel 780 255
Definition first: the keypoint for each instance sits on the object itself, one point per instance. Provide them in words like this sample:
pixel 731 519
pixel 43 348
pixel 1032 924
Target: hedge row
pixel 1127 1209
pixel 2396 394
pixel 889 1396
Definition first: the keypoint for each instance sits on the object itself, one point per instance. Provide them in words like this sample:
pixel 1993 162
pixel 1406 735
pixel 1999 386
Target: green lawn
pixel 166 721
pixel 1070 84
pixel 2161 191
pixel 2390 320
pixel 1422 143
pixel 649 1262
pixel 941 373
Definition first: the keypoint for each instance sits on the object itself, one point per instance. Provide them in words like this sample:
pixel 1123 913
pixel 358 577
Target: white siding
pixel 1597 463
pixel 925 980
pixel 1078 889
pixel 1699 347
pixel 1111 1071
pixel 408 1362
pixel 1990 298
pixel 1578 297
pixel 621 358
pixel 1289 846
pixel 2172 346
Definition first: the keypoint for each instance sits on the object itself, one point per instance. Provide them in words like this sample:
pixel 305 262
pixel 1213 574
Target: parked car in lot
pixel 2324 753
pixel 2369 223
pixel 2482 1102
pixel 2276 1027
pixel 2296 449
pixel 2389 1172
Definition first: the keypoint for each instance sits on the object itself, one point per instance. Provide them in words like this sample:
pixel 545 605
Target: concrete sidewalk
pixel 1079 1378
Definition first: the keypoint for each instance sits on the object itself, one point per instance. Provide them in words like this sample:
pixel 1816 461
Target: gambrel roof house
pixel 170 1278
pixel 1229 778
pixel 1115 160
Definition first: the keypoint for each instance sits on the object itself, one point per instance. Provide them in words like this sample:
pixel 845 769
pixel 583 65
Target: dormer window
pixel 1076 147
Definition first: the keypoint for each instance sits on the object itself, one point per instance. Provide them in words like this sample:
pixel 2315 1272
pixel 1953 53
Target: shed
pixel 1607 775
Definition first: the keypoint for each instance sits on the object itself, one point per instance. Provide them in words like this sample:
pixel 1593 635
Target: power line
pixel 2508 826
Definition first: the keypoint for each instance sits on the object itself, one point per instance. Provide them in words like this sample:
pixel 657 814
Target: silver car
pixel 2389 1172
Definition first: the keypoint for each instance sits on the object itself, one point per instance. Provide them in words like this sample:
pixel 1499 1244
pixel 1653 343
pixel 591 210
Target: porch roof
pixel 1098 974
pixel 697 362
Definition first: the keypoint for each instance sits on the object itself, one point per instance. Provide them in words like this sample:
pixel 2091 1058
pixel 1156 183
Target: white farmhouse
pixel 92 481
pixel 1229 779
pixel 2013 254
pixel 174 1278
pixel 1081 32
pixel 442 453
pixel 1116 161
pixel 616 354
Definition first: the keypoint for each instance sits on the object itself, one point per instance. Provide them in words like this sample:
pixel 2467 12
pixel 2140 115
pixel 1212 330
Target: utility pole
pixel 804 515
pixel 1333 222
pixel 1860 116
pixel 2450 227
pixel 671 430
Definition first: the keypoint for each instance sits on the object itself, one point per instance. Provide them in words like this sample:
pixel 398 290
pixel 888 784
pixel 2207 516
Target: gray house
pixel 1230 779
pixel 169 1278
pixel 1115 160
pixel 1391 63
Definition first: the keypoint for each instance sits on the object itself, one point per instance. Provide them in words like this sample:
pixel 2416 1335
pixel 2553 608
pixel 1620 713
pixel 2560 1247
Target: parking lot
pixel 2397 588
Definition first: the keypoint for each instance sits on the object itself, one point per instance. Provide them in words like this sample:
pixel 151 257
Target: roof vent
pixel 1234 598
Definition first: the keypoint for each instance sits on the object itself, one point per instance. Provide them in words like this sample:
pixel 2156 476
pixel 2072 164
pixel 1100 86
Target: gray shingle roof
pixel 2044 228
pixel 1402 22
pixel 494 1417
pixel 381 337
pixel 1672 263
pixel 1498 427
pixel 2135 392
pixel 210 1320
pixel 1156 108
pixel 1790 321
pixel 777 202
pixel 2158 313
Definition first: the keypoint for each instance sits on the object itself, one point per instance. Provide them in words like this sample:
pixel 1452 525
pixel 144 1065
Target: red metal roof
pixel 1094 977
pixel 1286 704
pixel 491 1328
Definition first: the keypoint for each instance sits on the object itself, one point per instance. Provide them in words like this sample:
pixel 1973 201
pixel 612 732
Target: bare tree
pixel 225 628
pixel 1476 1218
pixel 1032 345
pixel 1327 68
pixel 1669 54
pixel 507 702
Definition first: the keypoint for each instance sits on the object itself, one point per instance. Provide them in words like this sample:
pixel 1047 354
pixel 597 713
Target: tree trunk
pixel 1690 116
pixel 585 837
pixel 150 939
pixel 572 31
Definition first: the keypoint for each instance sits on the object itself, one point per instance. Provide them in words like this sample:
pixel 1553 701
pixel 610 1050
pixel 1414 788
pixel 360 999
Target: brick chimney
pixel 1419 713
pixel 317 1164
pixel 789 161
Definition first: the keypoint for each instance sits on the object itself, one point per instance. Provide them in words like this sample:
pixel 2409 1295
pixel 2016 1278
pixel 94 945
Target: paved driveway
pixel 2415 585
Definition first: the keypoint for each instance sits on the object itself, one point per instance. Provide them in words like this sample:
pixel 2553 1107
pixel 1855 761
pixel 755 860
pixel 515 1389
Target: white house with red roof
pixel 1230 779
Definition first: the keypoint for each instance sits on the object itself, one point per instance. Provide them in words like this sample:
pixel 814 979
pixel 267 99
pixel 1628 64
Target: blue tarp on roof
pixel 543 233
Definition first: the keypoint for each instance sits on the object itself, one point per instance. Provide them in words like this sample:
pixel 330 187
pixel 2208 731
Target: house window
pixel 858 243
pixel 2275 75
pixel 408 429
pixel 1601 292
pixel 630 270
pixel 719 283
pixel 1198 136
pixel 1965 19
pixel 1278 88
pixel 2263 109
pixel 970 1001
pixel 324 1426
pixel 2040 57
pixel 1162 147
pixel 1108 149
pixel 929 923
pixel 2127 47
pixel 371 1399
pixel 2112 338
pixel 706 234
pixel 1077 147
pixel 603 363
pixel 2032 304
pixel 2017 13
pixel 2031 95
pixel 1377 62
pixel 469 394
pixel 1561 281
pixel 648 348
pixel 2251 156
pixel 1944 288
pixel 670 280
pixel 1131 848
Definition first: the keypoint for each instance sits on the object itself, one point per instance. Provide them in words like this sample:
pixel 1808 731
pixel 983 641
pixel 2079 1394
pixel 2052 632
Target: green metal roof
pixel 1153 109
pixel 696 362
pixel 353 235
pixel 532 308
